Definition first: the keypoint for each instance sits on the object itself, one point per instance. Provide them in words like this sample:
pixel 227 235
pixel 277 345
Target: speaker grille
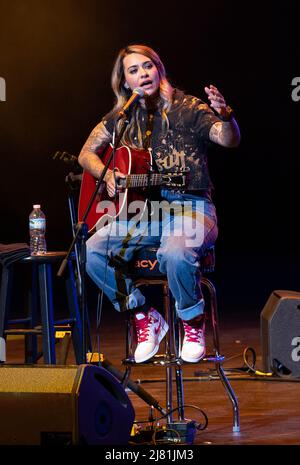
pixel 37 379
pixel 280 333
pixel 62 405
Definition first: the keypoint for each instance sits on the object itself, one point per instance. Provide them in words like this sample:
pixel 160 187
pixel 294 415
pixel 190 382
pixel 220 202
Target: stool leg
pixel 31 346
pixel 126 377
pixel 5 300
pixel 129 351
pixel 172 350
pixel 178 372
pixel 221 373
pixel 232 397
pixel 77 333
pixel 129 338
pixel 5 297
pixel 168 351
pixel 169 393
pixel 46 302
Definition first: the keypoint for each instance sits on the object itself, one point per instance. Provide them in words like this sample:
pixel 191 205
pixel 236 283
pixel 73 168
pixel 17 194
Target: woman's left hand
pixel 217 101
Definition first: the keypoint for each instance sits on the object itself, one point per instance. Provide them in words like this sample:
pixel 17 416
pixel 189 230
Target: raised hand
pixel 217 101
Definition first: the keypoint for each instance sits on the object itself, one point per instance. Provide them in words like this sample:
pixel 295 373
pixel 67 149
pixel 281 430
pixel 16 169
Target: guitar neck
pixel 143 180
pixel 153 179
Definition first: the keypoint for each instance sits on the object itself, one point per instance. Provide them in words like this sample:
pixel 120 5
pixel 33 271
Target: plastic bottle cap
pixel 36 206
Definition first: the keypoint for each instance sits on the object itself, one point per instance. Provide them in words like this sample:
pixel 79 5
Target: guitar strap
pixel 154 193
pixel 148 137
pixel 149 130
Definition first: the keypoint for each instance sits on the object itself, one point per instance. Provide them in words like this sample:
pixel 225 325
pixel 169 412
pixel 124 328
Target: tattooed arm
pixel 224 133
pixel 88 157
pixel 90 161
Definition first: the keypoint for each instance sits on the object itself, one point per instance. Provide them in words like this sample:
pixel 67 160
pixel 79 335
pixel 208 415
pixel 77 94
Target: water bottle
pixel 37 229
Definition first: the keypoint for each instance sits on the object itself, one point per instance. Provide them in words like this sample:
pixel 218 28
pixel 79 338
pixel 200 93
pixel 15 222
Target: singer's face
pixel 140 71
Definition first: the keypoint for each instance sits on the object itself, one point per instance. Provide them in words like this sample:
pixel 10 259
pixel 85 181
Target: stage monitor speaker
pixel 42 405
pixel 280 333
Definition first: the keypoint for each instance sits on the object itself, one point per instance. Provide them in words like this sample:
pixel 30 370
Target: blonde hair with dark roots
pixel 122 94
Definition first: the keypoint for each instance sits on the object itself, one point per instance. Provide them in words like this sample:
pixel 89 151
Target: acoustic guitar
pixel 136 165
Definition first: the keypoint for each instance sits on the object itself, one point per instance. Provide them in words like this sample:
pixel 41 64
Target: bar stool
pixel 41 297
pixel 142 276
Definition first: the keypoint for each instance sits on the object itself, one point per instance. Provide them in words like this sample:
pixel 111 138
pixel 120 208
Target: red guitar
pixel 135 164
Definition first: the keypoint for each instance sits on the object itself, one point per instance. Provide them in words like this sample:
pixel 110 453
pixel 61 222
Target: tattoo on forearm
pixel 98 137
pixel 225 133
pixel 88 157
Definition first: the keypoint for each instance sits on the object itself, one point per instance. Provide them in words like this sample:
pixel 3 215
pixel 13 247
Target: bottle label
pixel 37 223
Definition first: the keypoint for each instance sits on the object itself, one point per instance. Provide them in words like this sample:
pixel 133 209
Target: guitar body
pixel 126 161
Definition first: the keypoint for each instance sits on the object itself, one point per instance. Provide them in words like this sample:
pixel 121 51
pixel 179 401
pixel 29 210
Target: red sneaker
pixel 193 347
pixel 150 330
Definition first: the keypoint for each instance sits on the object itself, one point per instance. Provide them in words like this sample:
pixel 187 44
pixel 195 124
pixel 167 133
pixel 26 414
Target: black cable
pixel 155 430
pixel 199 426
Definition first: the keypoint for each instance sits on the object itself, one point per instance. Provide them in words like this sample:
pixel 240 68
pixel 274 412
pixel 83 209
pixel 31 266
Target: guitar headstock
pixel 70 160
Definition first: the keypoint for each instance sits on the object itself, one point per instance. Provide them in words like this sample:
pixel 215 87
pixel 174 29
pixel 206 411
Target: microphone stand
pixel 73 216
pixel 81 233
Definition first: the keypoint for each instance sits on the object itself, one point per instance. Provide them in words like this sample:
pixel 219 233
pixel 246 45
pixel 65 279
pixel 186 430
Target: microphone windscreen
pixel 139 90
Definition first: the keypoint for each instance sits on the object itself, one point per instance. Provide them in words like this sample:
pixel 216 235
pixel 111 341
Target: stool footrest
pixel 213 359
pixel 7 332
pixel 171 361
pixel 156 360
pixel 36 330
pixel 17 321
pixel 66 321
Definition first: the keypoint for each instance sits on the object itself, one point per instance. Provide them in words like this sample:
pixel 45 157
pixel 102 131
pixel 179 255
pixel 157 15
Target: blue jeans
pixel 181 236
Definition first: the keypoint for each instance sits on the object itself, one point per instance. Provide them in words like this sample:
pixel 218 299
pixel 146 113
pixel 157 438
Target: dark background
pixel 56 57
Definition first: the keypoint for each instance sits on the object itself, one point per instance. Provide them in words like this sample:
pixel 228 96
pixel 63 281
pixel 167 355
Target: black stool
pixel 42 300
pixel 141 274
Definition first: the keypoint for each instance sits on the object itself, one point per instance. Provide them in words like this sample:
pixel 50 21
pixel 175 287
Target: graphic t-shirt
pixel 184 145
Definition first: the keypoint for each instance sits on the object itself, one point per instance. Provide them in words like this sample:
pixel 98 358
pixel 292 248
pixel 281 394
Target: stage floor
pixel 269 407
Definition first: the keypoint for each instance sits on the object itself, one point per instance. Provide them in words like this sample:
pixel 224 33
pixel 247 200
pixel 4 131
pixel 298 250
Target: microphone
pixel 137 93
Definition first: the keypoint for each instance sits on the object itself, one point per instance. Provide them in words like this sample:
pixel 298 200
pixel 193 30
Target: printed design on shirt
pixel 170 154
pixel 176 153
pixel 194 104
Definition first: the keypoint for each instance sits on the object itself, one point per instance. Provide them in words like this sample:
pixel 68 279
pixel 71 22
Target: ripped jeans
pixel 181 235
